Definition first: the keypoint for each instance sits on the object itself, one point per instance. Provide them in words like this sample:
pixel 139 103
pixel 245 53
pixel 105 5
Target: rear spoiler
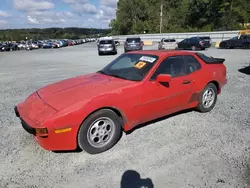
pixel 215 61
pixel 210 60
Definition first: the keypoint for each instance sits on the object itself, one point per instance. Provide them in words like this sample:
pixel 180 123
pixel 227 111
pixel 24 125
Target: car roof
pixel 162 53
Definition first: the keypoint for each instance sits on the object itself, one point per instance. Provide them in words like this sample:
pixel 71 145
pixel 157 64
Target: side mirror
pixel 163 78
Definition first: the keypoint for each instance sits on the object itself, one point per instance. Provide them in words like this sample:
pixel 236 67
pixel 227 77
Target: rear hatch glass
pixel 133 40
pixel 169 40
pixel 106 42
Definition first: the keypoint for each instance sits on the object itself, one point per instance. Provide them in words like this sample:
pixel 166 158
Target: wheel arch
pixel 114 109
pixel 216 84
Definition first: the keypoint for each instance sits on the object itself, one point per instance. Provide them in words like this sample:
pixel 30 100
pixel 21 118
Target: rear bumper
pixel 54 141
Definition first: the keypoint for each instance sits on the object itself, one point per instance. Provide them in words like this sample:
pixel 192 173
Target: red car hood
pixel 67 92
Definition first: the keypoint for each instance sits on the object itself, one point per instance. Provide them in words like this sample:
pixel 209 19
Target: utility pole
pixel 161 18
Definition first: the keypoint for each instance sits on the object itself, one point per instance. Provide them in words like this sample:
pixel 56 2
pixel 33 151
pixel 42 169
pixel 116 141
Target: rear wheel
pixel 100 132
pixel 223 46
pixel 208 98
pixel 246 46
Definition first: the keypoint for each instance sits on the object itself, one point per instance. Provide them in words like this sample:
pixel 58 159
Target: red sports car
pixel 91 111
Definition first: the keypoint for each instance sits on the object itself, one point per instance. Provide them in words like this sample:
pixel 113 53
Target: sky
pixel 56 13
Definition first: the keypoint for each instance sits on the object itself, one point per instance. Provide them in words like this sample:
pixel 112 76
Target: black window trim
pixel 172 77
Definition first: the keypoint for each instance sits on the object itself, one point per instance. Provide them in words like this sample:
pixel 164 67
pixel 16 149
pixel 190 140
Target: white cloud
pixel 48 17
pixel 32 5
pixel 3 24
pixel 109 3
pixel 32 20
pixel 84 8
pixel 3 14
pixel 108 11
pixel 75 1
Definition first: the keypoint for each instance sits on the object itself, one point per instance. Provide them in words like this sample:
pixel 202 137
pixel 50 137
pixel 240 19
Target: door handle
pixel 186 82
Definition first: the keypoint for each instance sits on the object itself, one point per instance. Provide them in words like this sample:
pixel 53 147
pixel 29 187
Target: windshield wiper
pixel 117 76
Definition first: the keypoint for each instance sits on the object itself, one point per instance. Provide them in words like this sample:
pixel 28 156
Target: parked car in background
pixel 9 47
pixel 49 45
pixel 107 46
pixel 133 44
pixel 191 44
pixel 167 44
pixel 2 47
pixel 242 41
pixel 207 40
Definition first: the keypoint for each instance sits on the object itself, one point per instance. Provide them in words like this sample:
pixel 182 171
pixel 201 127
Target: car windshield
pixel 169 40
pixel 132 67
pixel 234 38
pixel 106 42
pixel 135 40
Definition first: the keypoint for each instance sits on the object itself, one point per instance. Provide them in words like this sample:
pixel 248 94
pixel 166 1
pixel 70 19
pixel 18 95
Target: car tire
pixel 207 98
pixel 223 46
pixel 246 46
pixel 99 53
pixel 101 125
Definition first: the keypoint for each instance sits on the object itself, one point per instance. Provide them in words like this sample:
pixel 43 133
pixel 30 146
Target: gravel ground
pixel 187 150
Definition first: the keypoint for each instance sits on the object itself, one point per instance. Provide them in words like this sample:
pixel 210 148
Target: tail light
pixel 201 43
pixel 141 43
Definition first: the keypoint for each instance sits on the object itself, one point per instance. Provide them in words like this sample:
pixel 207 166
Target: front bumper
pixel 53 141
pixel 25 125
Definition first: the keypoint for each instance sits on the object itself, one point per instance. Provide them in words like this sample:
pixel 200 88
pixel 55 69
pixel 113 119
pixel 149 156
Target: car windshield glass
pixel 106 42
pixel 132 67
pixel 131 40
pixel 234 38
pixel 169 40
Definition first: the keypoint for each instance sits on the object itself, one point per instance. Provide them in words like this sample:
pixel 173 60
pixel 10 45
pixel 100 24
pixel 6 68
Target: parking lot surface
pixel 186 150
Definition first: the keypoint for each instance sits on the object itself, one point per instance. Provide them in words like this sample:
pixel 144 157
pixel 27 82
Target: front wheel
pixel 100 132
pixel 208 98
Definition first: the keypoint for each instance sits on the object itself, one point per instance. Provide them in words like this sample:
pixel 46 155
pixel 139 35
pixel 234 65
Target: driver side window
pixel 174 66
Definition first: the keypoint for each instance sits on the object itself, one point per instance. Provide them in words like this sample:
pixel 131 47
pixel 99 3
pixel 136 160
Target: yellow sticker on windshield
pixel 140 65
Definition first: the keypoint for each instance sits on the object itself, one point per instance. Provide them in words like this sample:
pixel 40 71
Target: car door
pixel 181 45
pixel 192 42
pixel 195 76
pixel 161 99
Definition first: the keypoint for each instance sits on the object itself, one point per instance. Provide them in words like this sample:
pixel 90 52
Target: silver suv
pixel 107 46
pixel 132 44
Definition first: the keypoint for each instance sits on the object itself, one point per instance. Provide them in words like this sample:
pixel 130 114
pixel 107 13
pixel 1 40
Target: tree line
pixel 140 16
pixel 50 33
